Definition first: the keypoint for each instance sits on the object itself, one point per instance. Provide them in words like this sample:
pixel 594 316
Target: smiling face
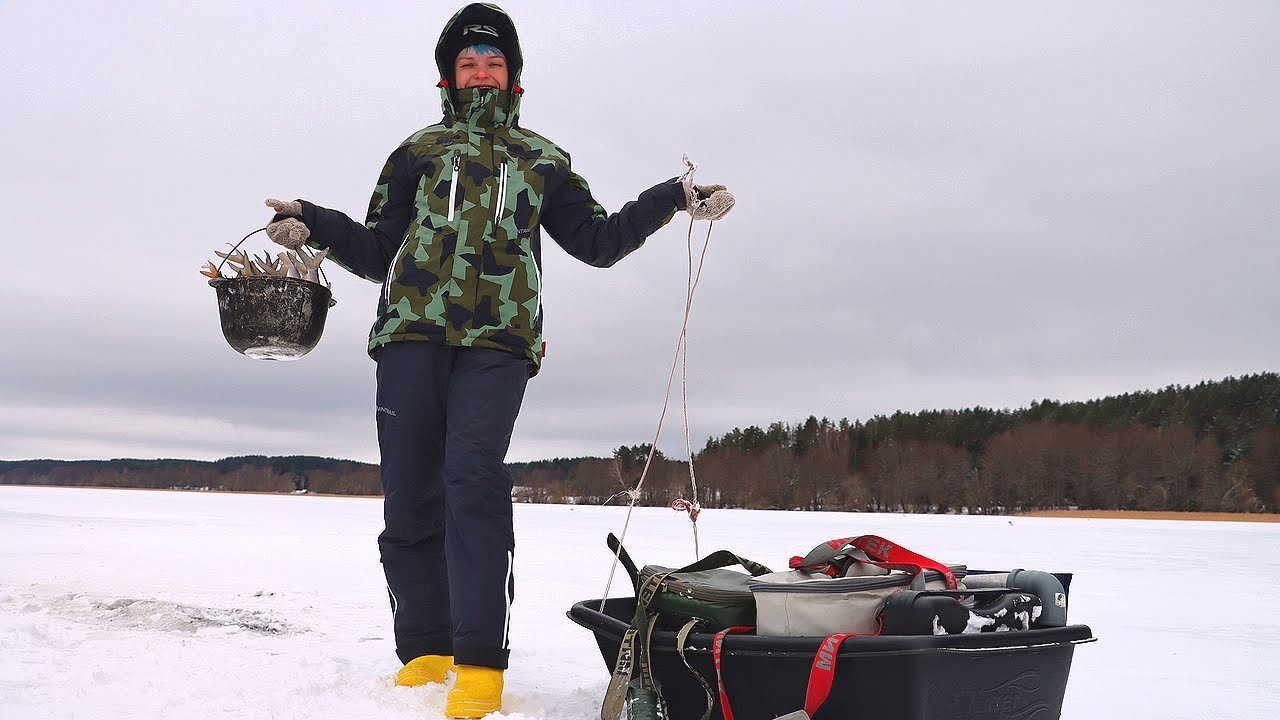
pixel 480 67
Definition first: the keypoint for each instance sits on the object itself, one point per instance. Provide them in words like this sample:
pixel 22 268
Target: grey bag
pixel 808 600
pixel 799 603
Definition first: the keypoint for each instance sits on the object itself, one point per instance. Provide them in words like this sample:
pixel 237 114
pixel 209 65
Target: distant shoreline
pixel 1155 515
pixel 1077 514
pixel 185 490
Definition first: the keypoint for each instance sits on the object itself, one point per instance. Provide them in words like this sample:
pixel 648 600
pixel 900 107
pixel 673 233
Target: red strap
pixel 823 672
pixel 826 568
pixel 821 675
pixel 725 712
pixel 883 550
pixel 884 554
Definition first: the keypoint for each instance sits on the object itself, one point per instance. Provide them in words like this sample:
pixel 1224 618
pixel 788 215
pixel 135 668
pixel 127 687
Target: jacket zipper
pixel 502 195
pixel 386 285
pixel 453 181
pixel 537 274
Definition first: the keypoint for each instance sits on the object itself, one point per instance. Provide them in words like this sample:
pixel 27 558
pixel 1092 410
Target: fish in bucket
pixel 273 308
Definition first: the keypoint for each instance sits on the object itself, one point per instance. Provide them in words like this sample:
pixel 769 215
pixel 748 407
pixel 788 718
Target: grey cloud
pixel 938 205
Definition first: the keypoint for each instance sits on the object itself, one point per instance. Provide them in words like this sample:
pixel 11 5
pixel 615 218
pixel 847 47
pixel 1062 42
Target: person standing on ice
pixel 453 234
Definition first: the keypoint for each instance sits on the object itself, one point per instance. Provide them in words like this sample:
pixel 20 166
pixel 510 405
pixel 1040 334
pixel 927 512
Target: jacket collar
pixel 485 108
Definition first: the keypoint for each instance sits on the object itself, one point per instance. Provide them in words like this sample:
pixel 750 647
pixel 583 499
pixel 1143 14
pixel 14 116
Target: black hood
pixel 475 24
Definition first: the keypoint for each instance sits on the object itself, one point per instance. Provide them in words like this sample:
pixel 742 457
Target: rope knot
pixel 690 167
pixel 682 505
pixel 633 494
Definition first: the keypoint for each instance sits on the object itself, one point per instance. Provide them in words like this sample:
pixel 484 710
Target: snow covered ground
pixel 138 604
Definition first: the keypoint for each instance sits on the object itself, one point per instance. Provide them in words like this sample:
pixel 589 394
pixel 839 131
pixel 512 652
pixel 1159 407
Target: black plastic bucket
pixel 949 677
pixel 272 318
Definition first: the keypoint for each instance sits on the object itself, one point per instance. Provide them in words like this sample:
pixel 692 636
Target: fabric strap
pixel 822 673
pixel 716 644
pixel 681 638
pixel 633 652
pixel 724 558
pixel 882 552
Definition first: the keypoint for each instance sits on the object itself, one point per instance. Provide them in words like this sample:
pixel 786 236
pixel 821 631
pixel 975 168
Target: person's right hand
pixel 707 202
pixel 287 228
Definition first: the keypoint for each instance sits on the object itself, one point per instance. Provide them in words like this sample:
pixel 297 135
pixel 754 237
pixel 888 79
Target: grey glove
pixel 707 202
pixel 288 231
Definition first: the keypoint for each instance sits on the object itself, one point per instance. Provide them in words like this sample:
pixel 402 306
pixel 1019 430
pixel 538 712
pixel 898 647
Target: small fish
pixel 267 265
pixel 311 264
pixel 300 264
pixel 239 262
pixel 290 264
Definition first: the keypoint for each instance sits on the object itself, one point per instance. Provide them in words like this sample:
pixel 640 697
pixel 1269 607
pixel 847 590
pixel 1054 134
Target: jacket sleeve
pixel 582 227
pixel 367 250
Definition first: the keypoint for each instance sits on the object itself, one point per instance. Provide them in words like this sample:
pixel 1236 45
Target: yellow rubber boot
pixel 424 669
pixel 476 693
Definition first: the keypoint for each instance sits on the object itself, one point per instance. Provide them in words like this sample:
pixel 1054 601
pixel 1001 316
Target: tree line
pixel 1214 446
pixel 249 473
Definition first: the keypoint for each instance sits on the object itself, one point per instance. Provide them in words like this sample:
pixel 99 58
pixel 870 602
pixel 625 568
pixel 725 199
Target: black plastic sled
pixel 986 676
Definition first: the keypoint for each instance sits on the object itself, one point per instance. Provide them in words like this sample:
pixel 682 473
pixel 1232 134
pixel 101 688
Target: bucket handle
pixel 255 232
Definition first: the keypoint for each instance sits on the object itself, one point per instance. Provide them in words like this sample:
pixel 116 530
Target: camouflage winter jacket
pixel 453 230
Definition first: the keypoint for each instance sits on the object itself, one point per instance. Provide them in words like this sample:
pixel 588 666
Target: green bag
pixel 706 590
pixel 704 594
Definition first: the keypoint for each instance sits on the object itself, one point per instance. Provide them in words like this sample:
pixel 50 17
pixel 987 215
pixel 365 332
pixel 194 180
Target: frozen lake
pixel 128 604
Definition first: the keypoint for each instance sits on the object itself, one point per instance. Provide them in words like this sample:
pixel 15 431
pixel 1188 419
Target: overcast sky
pixel 940 205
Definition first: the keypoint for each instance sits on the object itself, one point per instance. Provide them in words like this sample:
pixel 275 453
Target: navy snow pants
pixel 445 416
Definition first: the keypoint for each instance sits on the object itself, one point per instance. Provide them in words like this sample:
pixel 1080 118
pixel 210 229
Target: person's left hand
pixel 287 228
pixel 707 202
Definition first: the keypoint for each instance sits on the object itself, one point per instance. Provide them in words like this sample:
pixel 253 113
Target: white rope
pixel 613 567
pixel 682 347
pixel 679 360
pixel 695 507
